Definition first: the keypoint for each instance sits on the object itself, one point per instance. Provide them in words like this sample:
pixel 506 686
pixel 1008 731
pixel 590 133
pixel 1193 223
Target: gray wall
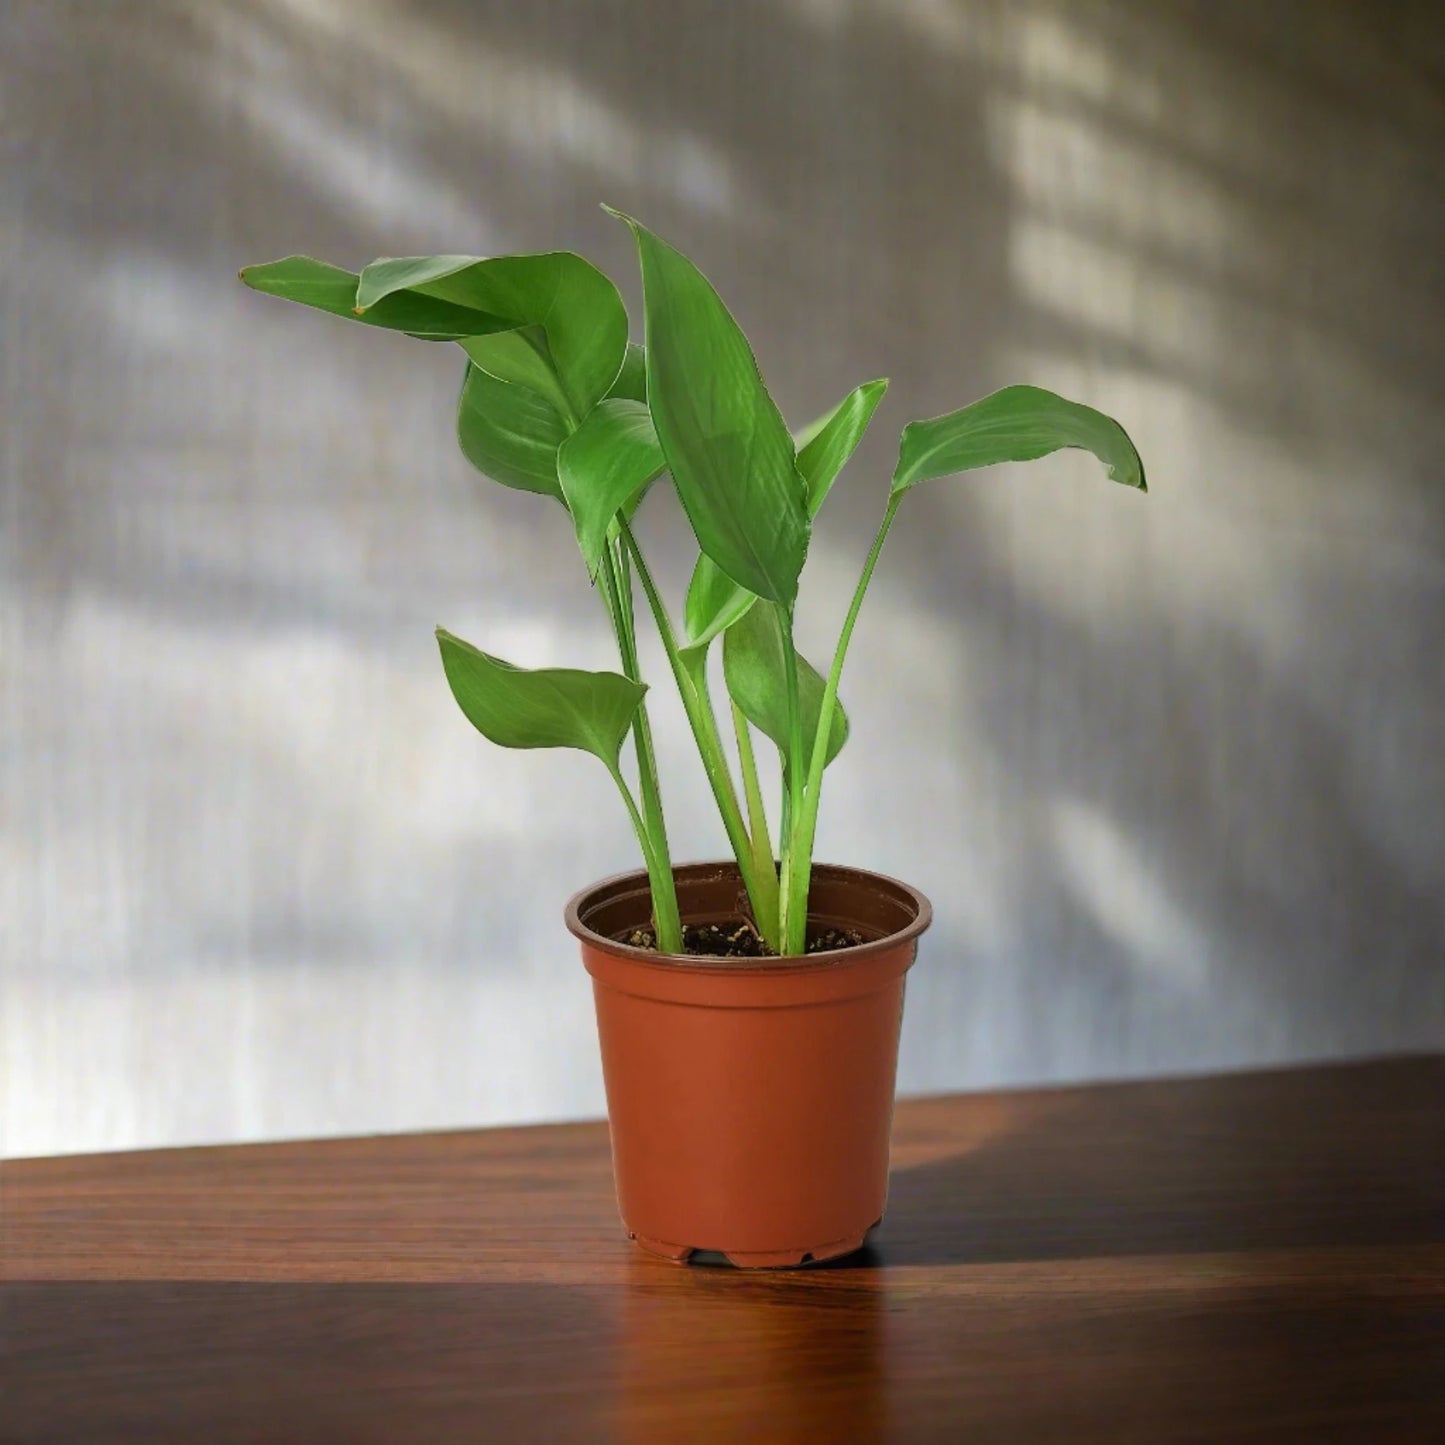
pixel 1170 767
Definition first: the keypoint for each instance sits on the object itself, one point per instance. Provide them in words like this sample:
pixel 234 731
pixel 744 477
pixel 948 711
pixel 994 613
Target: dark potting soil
pixel 740 940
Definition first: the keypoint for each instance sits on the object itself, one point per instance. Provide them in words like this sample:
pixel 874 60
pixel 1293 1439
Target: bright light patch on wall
pixel 1108 875
pixel 256 1053
pixel 1057 57
pixel 1061 164
pixel 944 23
pixel 385 188
pixel 1099 285
pixel 542 110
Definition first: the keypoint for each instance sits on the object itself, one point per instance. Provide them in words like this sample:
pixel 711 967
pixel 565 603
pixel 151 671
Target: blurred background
pixel 1170 767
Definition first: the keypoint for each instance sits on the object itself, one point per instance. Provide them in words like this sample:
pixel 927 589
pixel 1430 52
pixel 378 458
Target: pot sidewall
pixel 750 1108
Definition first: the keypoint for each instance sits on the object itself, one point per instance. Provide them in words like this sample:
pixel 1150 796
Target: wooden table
pixel 1254 1257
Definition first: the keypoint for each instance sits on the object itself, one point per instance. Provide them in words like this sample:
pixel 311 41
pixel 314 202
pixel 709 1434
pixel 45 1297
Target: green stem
pixel 793 907
pixel 669 929
pixel 692 687
pixel 616 558
pixel 763 859
pixel 651 832
pixel 618 591
pixel 760 872
pixel 752 790
pixel 800 860
pixel 620 579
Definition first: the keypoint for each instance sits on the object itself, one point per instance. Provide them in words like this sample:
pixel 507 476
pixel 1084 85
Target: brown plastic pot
pixel 750 1100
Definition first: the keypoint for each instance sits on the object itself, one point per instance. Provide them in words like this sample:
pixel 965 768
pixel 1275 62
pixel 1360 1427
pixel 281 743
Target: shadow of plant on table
pixel 1190 1166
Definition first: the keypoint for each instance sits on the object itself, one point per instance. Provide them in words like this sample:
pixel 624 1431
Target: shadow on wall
pixel 1170 774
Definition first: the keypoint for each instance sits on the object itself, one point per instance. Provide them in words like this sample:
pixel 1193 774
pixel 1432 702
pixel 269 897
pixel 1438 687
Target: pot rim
pixel 786 963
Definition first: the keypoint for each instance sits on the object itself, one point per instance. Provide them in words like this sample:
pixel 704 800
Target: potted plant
pixel 749 1010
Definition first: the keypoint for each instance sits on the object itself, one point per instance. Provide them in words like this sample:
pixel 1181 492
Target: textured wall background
pixel 1170 767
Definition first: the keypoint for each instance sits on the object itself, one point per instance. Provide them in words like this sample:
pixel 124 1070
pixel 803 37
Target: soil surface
pixel 740 940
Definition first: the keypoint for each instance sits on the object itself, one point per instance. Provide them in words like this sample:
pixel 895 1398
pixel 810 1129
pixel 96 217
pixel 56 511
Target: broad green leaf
pixel 550 707
pixel 509 433
pixel 631 383
pixel 1016 424
pixel 757 682
pixel 825 446
pixel 725 442
pixel 603 465
pixel 330 288
pixel 714 600
pixel 522 358
pixel 576 307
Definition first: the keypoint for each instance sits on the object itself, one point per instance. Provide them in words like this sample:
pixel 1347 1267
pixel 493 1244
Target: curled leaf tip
pixel 620 216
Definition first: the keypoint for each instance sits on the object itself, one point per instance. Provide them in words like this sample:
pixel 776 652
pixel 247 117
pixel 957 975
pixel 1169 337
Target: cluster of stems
pixel 777 882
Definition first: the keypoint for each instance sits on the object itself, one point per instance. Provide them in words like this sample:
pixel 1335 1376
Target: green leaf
pixel 509 433
pixel 1016 424
pixel 522 358
pixel 550 707
pixel 577 310
pixel 330 288
pixel 725 442
pixel 631 383
pixel 714 600
pixel 606 462
pixel 757 681
pixel 825 446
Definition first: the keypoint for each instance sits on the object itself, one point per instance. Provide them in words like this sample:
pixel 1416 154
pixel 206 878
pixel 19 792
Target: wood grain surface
pixel 1253 1257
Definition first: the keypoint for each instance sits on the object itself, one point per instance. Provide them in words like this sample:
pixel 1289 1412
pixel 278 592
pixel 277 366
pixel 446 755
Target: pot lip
pixel 786 964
